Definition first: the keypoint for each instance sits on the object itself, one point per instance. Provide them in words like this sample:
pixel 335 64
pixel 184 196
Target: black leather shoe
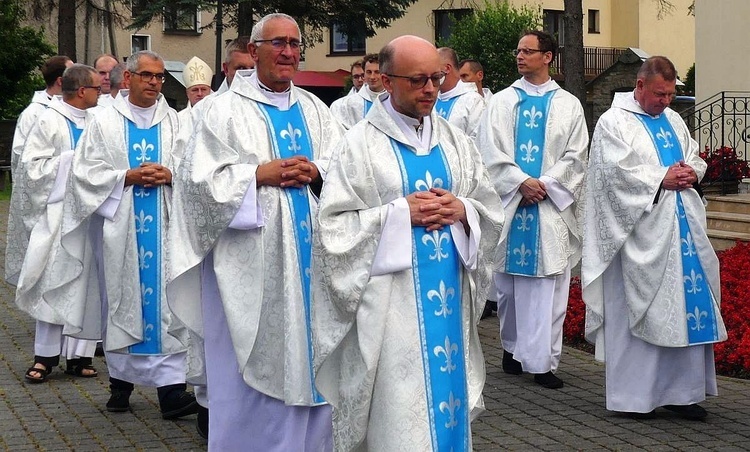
pixel 201 423
pixel 510 365
pixel 119 401
pixel 548 380
pixel 693 412
pixel 640 416
pixel 178 404
pixel 487 310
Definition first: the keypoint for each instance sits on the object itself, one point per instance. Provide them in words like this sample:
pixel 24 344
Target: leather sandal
pixel 43 372
pixel 76 367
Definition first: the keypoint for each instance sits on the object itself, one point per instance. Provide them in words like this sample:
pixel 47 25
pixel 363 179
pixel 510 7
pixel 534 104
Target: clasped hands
pixel 679 177
pixel 148 175
pixel 294 172
pixel 436 208
pixel 533 191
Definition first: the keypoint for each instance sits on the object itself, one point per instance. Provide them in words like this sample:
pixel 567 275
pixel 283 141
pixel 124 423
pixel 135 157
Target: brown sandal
pixel 44 372
pixel 76 367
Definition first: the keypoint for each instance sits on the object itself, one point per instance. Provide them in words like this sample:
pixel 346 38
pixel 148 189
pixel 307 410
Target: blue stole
pixel 75 133
pixel 444 107
pixel 368 105
pixel 144 145
pixel 438 302
pixel 522 253
pixel 290 137
pixel 699 301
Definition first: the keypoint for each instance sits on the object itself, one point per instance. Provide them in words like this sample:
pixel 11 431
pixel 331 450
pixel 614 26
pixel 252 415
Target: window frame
pixel 194 30
pixel 593 25
pixel 350 50
pixel 446 19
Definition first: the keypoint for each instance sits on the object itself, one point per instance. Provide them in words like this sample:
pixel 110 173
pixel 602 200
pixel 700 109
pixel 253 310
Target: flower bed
pixel 732 356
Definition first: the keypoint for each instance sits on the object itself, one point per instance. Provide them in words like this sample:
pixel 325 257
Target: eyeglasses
pixel 148 76
pixel 419 81
pixel 279 44
pixel 526 52
pixel 358 76
pixel 97 88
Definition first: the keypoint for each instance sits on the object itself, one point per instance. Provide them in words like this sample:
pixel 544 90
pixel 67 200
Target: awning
pixel 332 79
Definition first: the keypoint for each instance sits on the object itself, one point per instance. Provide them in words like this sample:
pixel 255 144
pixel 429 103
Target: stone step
pixel 727 221
pixel 729 203
pixel 722 240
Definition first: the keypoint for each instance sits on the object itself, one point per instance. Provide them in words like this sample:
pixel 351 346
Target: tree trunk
pixel 575 82
pixel 245 18
pixel 66 29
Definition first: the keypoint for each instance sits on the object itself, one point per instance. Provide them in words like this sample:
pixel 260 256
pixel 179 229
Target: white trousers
pixel 532 312
pixel 49 341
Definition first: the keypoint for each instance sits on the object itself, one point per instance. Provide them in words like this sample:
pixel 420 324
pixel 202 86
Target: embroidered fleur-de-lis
pixel 522 253
pixel 443 113
pixel 529 149
pixel 442 295
pixel 449 407
pixel 697 316
pixel 688 242
pixel 145 292
pixel 306 227
pixel 666 136
pixel 680 208
pixel 447 351
pixel 692 280
pixel 308 272
pixel 533 115
pixel 141 192
pixel 525 218
pixel 196 74
pixel 140 222
pixel 142 256
pixel 144 148
pixel 437 238
pixel 292 134
pixel 147 332
pixel 428 182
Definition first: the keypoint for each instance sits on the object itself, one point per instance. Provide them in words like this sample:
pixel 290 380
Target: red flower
pixel 724 164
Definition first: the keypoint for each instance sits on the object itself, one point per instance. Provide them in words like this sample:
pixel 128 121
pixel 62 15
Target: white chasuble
pixel 387 340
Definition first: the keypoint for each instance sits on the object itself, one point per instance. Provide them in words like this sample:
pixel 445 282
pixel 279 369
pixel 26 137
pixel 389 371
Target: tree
pixel 575 81
pixel 490 35
pixel 23 51
pixel 314 16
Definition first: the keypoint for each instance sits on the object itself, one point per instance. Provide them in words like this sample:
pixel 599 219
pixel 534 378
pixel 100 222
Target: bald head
pixel 449 60
pixel 416 62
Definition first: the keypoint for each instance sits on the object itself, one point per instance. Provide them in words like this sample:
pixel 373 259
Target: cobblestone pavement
pixel 68 413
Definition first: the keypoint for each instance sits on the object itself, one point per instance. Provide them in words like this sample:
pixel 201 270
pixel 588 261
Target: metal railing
pixel 722 120
pixel 595 60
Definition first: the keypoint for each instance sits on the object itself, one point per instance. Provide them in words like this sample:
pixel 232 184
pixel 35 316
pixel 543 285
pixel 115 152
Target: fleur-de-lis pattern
pixel 438 302
pixel 445 107
pixel 291 134
pixel 145 147
pixel 523 236
pixel 700 308
pixel 533 114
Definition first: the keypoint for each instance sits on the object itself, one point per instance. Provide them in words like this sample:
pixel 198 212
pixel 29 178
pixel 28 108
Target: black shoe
pixel 201 423
pixel 548 380
pixel 178 404
pixel 119 401
pixel 693 412
pixel 99 349
pixel 510 365
pixel 487 312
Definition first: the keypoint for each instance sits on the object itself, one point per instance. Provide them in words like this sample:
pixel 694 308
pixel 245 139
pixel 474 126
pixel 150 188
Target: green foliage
pixel 689 81
pixel 490 35
pixel 23 51
pixel 313 16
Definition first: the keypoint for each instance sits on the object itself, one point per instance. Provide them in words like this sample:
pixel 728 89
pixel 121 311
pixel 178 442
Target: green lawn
pixel 5 193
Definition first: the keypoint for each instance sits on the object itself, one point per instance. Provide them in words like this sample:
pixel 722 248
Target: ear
pixel 480 75
pixel 387 83
pixel 253 49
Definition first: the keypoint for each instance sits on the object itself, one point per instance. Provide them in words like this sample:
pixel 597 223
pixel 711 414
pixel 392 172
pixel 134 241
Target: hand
pixel 679 177
pixel 148 175
pixel 533 191
pixel 436 208
pixel 296 171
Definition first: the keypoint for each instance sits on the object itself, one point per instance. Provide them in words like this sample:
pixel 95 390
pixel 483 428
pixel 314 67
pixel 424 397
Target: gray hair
pixel 75 77
pixel 135 59
pixel 386 58
pixel 116 76
pixel 657 65
pixel 257 33
pixel 236 45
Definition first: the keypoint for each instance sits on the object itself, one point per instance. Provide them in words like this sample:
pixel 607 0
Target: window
pixel 593 21
pixel 553 24
pixel 139 42
pixel 445 19
pixel 181 19
pixel 343 43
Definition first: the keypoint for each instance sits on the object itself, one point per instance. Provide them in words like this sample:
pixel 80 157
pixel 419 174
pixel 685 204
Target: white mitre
pixel 197 72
